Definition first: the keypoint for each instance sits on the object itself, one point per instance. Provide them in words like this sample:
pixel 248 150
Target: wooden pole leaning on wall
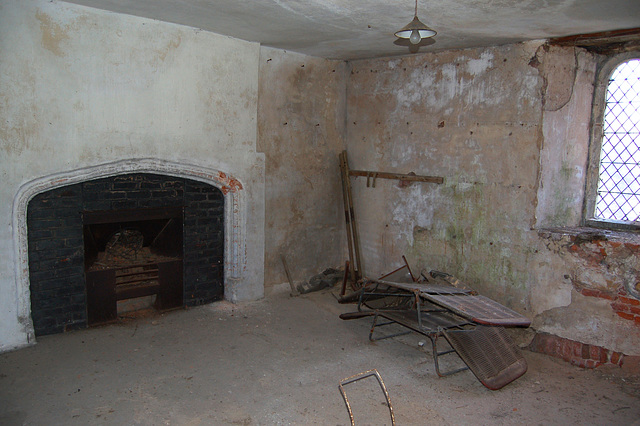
pixel 349 214
pixel 344 178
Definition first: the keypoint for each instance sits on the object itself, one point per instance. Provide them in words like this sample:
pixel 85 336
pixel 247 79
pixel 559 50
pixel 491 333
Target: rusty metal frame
pixel 427 310
pixel 361 376
pixel 432 334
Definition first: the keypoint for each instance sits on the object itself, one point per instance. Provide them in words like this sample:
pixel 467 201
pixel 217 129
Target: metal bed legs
pixel 434 344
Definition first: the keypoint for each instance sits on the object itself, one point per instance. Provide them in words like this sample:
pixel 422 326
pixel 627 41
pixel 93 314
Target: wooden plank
pixel 592 39
pixel 423 288
pixel 479 309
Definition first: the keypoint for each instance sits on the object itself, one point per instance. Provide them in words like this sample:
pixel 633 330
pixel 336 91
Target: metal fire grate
pixel 619 187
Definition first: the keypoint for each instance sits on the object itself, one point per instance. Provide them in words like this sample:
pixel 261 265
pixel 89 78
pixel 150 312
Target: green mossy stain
pixel 465 241
pixel 563 213
pixel 468 218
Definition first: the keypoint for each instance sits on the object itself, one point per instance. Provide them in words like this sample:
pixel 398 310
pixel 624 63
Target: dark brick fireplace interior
pixel 178 222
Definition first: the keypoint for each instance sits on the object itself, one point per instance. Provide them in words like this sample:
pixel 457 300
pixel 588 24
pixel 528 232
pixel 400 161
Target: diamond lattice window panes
pixel 618 196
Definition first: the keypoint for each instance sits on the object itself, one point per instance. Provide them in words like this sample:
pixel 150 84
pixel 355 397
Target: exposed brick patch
pixel 629 301
pixel 596 293
pixel 590 292
pixel 632 365
pixel 626 315
pixel 608 254
pixel 626 307
pixel 576 353
pixel 616 357
pixel 632 247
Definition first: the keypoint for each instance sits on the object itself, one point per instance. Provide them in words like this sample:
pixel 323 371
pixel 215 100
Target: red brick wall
pixel 580 354
pixel 597 251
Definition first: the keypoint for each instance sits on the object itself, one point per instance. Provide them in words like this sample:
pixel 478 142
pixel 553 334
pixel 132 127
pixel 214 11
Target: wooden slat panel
pixel 480 309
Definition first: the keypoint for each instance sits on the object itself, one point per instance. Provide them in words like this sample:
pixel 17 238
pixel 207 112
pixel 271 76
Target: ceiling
pixel 356 29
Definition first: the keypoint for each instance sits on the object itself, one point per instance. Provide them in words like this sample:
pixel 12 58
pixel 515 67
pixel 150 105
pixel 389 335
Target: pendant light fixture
pixel 415 30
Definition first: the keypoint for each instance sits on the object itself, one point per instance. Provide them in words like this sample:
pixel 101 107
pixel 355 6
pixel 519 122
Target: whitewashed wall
pixel 83 89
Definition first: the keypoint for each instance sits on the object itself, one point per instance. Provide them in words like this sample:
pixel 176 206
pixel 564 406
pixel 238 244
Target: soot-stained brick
pixel 56 245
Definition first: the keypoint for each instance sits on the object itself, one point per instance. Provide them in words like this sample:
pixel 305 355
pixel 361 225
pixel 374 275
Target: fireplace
pixel 96 244
pixel 133 260
pixel 241 185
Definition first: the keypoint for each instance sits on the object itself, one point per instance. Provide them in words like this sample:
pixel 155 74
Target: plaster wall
pixel 568 77
pixel 508 129
pixel 473 117
pixel 92 93
pixel 301 111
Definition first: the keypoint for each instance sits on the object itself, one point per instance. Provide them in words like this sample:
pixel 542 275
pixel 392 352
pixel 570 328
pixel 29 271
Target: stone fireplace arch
pixel 234 213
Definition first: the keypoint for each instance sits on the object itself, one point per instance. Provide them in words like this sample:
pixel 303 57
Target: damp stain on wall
pixel 54 33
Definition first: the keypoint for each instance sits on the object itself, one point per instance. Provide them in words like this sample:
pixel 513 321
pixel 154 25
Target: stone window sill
pixel 580 234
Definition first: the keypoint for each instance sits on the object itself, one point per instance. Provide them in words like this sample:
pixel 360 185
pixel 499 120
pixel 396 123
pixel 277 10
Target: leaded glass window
pixel 618 194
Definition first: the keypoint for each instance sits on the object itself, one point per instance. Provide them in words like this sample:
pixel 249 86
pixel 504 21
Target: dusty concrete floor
pixel 279 361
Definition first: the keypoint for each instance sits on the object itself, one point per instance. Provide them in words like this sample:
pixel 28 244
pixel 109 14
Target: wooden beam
pixel 605 42
pixel 596 37
pixel 397 176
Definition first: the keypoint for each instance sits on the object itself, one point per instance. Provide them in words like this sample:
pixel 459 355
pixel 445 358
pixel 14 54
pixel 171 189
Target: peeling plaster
pixel 479 66
pixel 409 213
pixel 566 124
